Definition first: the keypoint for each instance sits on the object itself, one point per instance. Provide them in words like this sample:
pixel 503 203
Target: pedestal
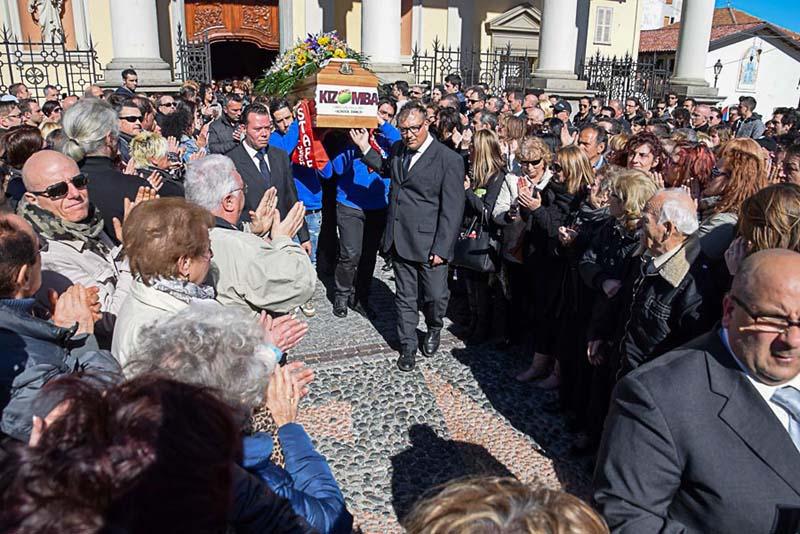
pixel 702 94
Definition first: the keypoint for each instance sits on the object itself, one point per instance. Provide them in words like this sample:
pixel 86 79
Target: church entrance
pixel 234 59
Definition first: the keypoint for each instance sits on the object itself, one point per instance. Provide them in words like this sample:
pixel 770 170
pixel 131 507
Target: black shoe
pixel 406 362
pixel 340 306
pixel 431 342
pixel 363 309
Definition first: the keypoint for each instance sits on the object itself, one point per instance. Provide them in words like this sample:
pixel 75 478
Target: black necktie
pixel 407 159
pixel 264 168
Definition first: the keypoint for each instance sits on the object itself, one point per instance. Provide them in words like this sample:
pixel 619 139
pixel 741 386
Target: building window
pixel 602 29
pixel 667 21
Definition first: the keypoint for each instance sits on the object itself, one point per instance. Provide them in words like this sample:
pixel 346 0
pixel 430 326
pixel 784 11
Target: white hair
pixel 678 212
pixel 206 344
pixel 209 180
pixel 87 124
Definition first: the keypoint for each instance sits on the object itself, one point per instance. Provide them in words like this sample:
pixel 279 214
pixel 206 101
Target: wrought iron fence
pixel 40 63
pixel 498 68
pixel 625 77
pixel 194 58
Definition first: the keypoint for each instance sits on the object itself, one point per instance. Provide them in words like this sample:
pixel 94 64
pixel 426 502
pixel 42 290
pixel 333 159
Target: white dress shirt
pixel 766 391
pixel 421 150
pixel 252 152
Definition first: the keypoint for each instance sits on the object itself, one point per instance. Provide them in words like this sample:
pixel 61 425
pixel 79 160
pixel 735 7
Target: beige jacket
pixel 252 274
pixel 65 263
pixel 143 306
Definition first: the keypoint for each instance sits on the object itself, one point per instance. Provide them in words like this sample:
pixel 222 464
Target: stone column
pixel 134 36
pixel 380 39
pixel 557 44
pixel 689 79
pixel 80 19
pixel 177 16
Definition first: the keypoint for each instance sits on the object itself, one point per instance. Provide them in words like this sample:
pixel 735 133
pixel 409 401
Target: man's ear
pixel 669 228
pixel 31 198
pixel 23 278
pixel 727 310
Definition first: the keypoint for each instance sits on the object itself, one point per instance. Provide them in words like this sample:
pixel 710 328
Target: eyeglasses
pixel 243 189
pixel 764 323
pixel 471 101
pixel 132 118
pixel 60 189
pixel 531 162
pixel 207 255
pixel 168 105
pixel 413 129
pixel 661 108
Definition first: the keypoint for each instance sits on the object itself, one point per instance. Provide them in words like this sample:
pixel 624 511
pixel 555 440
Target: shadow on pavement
pixel 432 461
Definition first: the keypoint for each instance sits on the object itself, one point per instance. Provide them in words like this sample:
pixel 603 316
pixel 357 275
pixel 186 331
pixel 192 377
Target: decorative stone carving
pixel 207 16
pixel 47 15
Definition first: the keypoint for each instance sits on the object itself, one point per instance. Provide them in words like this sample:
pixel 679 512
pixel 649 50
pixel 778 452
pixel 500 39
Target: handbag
pixel 476 247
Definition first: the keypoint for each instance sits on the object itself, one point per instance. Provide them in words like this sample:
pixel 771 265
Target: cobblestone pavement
pixel 390 436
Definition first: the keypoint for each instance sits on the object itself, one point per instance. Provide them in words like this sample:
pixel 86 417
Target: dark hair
pixel 516 93
pixel 748 101
pixel 690 99
pixel 56 139
pixel 128 72
pixel 204 88
pixel 254 109
pixel 453 79
pixel 49 87
pixel 487 118
pixel 142 103
pixel 389 101
pixel 478 92
pixel 278 104
pixel 600 134
pixel 16 249
pixel 49 106
pixel 635 101
pixel 232 97
pixel 681 117
pixel 402 86
pixel 609 108
pixel 188 92
pixel 661 129
pixel 115 100
pixel 448 120
pixel 639 120
pixel 25 105
pixel 647 138
pixel 21 143
pixel 148 455
pixel 406 110
pixel 616 126
pixel 177 123
pixel 14 87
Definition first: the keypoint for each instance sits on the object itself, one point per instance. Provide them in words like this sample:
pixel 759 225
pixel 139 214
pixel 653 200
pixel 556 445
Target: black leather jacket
pixel 669 306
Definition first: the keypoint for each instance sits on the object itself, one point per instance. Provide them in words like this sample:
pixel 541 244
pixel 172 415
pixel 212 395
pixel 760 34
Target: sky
pixel 784 13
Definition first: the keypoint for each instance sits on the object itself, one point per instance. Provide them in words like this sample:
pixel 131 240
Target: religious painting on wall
pixel 748 70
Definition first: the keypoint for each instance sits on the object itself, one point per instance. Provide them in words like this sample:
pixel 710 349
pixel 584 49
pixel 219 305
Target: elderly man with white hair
pixel 257 266
pixel 676 293
pixel 232 355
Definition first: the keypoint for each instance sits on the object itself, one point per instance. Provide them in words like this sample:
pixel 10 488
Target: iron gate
pixel 194 58
pixel 40 63
pixel 625 77
pixel 499 68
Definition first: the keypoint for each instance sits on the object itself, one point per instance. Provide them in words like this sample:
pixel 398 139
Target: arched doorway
pixel 234 59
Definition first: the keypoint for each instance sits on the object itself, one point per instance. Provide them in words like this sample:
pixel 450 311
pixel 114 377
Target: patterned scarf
pixel 54 228
pixel 183 290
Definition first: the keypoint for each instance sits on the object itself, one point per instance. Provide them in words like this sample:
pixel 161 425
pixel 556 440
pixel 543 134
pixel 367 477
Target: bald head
pixel 48 168
pixel 700 115
pixel 38 172
pixel 763 269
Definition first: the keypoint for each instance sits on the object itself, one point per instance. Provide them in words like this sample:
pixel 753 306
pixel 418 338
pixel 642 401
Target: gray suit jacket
pixel 426 204
pixel 690 446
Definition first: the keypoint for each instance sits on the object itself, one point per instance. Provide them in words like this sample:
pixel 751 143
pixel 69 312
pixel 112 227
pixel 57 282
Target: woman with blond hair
pixel 602 267
pixel 512 131
pixel 502 505
pixel 768 219
pixel 481 189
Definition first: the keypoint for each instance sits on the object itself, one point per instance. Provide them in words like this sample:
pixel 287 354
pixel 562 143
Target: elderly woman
pixel 534 158
pixel 602 267
pixel 228 352
pixel 167 244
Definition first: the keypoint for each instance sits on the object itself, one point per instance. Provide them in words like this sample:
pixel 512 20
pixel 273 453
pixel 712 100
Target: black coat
pixel 108 189
pixel 670 306
pixel 474 204
pixel 257 509
pixel 426 205
pixel 220 136
pixel 280 176
pixel 690 446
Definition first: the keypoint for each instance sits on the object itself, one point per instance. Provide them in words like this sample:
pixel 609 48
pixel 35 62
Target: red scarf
pixel 309 152
pixel 373 143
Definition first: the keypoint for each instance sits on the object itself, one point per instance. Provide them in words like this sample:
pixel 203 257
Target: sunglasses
pixel 533 162
pixel 132 118
pixel 556 168
pixel 60 189
pixel 169 105
pixel 661 108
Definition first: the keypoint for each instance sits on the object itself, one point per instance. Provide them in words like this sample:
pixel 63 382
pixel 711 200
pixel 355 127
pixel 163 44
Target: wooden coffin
pixel 345 95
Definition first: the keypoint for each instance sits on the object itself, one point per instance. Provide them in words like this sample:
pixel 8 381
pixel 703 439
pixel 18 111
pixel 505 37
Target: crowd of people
pixel 154 251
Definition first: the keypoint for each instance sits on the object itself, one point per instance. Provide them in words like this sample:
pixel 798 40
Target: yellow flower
pixel 301 60
pixel 339 53
pixel 324 40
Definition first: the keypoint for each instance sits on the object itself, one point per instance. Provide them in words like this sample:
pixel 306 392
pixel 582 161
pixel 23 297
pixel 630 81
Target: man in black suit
pixel 426 204
pixel 224 134
pixel 263 166
pixel 707 438
pixel 130 81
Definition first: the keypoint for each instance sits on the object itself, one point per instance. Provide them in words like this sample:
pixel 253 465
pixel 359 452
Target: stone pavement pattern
pixel 391 436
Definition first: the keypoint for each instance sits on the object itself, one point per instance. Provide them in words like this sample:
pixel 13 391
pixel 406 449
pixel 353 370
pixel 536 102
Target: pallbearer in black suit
pixel 426 203
pixel 706 438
